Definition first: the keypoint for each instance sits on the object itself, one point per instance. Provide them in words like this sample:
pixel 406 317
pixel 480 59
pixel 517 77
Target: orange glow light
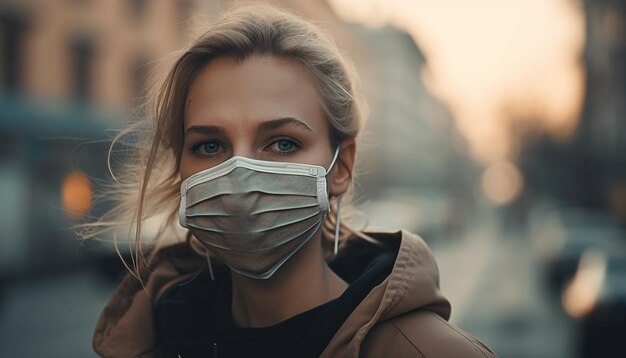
pixel 76 193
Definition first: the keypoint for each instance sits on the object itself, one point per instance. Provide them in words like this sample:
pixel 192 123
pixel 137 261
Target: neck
pixel 304 282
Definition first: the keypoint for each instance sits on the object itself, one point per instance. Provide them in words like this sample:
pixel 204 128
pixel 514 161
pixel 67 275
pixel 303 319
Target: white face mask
pixel 254 214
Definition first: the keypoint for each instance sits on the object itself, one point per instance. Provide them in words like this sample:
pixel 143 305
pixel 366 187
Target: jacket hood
pixel 413 284
pixel 127 325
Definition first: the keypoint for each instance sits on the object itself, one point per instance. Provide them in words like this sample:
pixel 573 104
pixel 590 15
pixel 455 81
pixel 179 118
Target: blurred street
pixel 495 286
pixel 490 277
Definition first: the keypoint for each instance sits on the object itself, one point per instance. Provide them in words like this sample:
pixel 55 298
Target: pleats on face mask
pixel 254 215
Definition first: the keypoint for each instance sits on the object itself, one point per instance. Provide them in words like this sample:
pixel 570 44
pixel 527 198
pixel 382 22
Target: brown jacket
pixel 404 316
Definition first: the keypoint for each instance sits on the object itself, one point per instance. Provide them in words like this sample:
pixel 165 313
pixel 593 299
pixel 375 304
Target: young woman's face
pixel 263 108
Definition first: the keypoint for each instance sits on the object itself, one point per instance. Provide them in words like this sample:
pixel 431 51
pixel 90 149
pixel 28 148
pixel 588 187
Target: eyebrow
pixel 265 126
pixel 282 122
pixel 208 130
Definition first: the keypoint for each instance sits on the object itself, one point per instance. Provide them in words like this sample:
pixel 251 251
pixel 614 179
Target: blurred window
pixel 82 54
pixel 620 69
pixel 12 29
pixel 138 9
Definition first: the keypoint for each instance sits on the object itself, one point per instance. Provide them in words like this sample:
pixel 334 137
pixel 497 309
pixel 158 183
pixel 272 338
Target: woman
pixel 252 150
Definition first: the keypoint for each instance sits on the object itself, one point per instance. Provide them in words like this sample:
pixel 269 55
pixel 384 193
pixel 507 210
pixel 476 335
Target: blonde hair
pixel 144 192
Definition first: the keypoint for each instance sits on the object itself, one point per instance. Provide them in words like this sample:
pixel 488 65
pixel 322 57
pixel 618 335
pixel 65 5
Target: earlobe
pixel 341 175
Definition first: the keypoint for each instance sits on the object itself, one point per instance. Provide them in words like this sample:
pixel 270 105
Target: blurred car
pixel 566 234
pixel 597 297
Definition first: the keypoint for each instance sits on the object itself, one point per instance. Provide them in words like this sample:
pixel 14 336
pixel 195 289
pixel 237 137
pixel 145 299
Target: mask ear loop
pixel 208 261
pixel 337 225
pixel 337 219
pixel 332 163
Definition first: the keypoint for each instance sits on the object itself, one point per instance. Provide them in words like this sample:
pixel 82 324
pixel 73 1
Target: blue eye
pixel 285 145
pixel 207 147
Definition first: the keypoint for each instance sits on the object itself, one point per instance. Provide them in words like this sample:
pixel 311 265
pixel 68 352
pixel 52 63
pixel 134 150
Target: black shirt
pixel 194 318
pixel 279 340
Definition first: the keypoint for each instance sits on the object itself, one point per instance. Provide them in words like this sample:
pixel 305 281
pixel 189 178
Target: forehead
pixel 227 91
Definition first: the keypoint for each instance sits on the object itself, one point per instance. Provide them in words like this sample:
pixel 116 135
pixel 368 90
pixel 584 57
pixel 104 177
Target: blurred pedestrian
pixel 252 150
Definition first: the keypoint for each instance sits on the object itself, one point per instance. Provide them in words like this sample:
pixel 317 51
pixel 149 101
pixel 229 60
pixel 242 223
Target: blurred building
pixel 411 139
pixel 412 156
pixel 69 70
pixel 589 169
pixel 601 138
pixel 87 50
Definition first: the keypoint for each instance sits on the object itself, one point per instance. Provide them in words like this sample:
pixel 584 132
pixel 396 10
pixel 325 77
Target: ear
pixel 340 176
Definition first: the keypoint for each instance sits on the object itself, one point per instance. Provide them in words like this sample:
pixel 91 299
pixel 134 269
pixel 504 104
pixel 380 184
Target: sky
pixel 496 63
